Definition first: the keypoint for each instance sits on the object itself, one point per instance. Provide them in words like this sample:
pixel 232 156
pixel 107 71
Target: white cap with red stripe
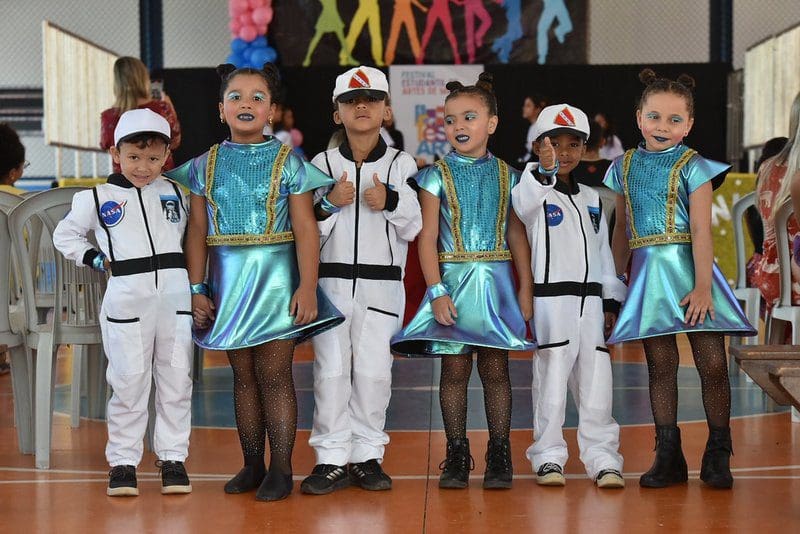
pixel 562 118
pixel 362 80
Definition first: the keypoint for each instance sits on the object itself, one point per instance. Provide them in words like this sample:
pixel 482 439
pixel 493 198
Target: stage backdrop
pixel 418 94
pixel 327 32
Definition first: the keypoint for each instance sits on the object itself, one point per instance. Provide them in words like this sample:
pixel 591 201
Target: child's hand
pixel 202 311
pixel 547 155
pixel 304 305
pixel 700 303
pixel 343 193
pixel 444 311
pixel 375 196
pixel 525 299
pixel 610 321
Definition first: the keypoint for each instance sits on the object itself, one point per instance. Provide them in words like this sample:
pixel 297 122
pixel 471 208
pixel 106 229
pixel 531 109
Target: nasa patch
pixel 112 212
pixel 170 207
pixel 554 215
pixel 594 215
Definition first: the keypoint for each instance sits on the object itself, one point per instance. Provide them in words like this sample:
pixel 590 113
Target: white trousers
pixel 572 354
pixel 353 385
pixel 147 339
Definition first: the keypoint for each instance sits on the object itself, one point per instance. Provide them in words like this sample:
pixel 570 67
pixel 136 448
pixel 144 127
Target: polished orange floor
pixel 70 497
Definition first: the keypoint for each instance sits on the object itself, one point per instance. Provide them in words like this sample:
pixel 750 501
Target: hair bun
pixel 271 70
pixel 486 81
pixel 647 76
pixel 455 85
pixel 224 69
pixel 687 81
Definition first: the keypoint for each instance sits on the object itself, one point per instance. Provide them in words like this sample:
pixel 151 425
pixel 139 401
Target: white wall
pixel 648 31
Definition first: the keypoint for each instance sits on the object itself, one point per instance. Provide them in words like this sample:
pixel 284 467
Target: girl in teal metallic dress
pixel 665 193
pixel 468 236
pixel 252 219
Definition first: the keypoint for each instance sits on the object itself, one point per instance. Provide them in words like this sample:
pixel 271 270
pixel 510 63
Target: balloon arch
pixel 248 25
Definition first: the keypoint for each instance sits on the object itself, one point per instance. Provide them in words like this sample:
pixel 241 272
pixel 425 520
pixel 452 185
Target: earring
pixel 222 120
pixel 270 121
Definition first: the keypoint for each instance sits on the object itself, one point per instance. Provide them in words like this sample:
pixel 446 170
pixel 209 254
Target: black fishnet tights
pixel 708 350
pixel 493 370
pixel 265 403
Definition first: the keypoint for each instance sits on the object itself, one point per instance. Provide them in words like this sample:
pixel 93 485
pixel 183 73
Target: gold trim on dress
pixel 674 182
pixel 275 186
pixel 249 239
pixel 211 165
pixel 626 167
pixel 499 236
pixel 452 201
pixel 659 239
pixel 483 255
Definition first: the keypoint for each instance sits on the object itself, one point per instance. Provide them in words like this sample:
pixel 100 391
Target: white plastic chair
pixel 749 297
pixel 13 336
pixel 785 311
pixel 76 311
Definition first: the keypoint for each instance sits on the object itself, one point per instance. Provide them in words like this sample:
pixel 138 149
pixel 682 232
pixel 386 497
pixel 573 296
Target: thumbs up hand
pixel 375 196
pixel 343 192
pixel 547 155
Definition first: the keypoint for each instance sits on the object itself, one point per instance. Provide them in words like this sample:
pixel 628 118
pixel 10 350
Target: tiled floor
pixel 70 497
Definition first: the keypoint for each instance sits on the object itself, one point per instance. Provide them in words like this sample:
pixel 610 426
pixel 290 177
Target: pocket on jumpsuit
pixel 373 344
pixel 183 344
pixel 125 345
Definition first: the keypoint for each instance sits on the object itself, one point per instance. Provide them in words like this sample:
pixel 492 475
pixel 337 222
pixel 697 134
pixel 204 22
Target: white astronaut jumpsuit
pixel 362 262
pixel 146 313
pixel 574 275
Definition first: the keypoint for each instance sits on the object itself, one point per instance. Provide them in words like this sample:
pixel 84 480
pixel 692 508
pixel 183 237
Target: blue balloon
pixel 260 41
pixel 235 59
pixel 271 56
pixel 238 45
pixel 259 56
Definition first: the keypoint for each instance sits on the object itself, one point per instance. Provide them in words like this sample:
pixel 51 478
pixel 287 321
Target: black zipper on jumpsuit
pixel 585 254
pixel 147 228
pixel 355 239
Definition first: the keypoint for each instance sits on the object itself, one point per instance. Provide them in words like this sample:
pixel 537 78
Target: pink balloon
pixel 235 25
pixel 256 3
pixel 248 33
pixel 238 6
pixel 262 15
pixel 297 137
pixel 262 29
pixel 245 19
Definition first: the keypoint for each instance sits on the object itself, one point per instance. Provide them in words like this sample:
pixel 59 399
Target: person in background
pixel 133 89
pixel 295 135
pixel 390 134
pixel 592 168
pixel 12 165
pixel 753 219
pixel 773 187
pixel 612 146
pixel 533 104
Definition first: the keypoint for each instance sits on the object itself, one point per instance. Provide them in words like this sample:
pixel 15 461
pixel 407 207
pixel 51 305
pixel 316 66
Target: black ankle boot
pixel 248 478
pixel 499 470
pixel 456 467
pixel 715 469
pixel 669 466
pixel 276 486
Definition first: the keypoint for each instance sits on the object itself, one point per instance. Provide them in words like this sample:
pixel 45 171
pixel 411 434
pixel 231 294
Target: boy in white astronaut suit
pixel 138 218
pixel 366 221
pixel 576 298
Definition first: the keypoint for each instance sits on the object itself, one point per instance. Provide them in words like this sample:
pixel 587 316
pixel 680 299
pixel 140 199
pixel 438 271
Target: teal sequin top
pixel 475 200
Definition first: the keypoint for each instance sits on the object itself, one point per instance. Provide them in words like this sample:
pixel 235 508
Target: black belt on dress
pixel 348 271
pixel 170 260
pixel 577 289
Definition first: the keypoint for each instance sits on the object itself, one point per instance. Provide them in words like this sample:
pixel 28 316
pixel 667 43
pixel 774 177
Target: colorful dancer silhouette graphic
pixel 503 45
pixel 403 16
pixel 329 21
pixel 368 13
pixel 474 9
pixel 553 9
pixel 440 11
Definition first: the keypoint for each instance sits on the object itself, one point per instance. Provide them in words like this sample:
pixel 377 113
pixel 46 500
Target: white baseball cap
pixel 361 80
pixel 138 121
pixel 562 118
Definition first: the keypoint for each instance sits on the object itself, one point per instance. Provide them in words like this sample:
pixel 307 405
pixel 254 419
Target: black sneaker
pixel 550 474
pixel 174 479
pixel 370 476
pixel 325 478
pixel 610 479
pixel 122 481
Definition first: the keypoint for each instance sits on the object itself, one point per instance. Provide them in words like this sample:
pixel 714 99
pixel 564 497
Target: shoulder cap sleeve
pixel 699 170
pixel 430 179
